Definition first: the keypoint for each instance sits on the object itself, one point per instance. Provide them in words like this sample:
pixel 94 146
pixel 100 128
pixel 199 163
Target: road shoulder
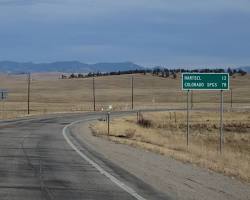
pixel 179 180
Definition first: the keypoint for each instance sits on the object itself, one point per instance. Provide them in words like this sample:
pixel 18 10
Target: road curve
pixel 39 160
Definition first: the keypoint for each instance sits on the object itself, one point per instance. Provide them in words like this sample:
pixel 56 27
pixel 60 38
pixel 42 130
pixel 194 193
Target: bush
pixel 130 133
pixel 241 72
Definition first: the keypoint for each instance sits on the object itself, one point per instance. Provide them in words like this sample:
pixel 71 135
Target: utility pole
pixel 132 95
pixel 94 92
pixel 28 99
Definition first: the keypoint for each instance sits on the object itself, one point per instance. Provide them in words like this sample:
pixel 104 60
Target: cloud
pixel 25 2
pixel 159 31
pixel 87 10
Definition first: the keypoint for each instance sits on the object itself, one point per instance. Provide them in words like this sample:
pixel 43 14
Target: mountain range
pixel 72 67
pixel 66 67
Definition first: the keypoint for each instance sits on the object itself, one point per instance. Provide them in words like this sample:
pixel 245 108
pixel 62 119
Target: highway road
pixel 40 160
pixel 56 157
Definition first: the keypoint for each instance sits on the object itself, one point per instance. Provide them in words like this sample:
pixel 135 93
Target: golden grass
pixel 49 94
pixel 167 137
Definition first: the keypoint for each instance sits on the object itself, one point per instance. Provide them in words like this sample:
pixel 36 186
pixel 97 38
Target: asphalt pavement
pixel 39 160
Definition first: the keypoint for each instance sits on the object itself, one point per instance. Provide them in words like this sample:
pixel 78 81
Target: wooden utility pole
pixel 94 92
pixel 132 95
pixel 28 98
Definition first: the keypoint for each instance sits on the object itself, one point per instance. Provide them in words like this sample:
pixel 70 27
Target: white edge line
pixel 95 165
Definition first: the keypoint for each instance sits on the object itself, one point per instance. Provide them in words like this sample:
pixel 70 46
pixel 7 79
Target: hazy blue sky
pixel 166 32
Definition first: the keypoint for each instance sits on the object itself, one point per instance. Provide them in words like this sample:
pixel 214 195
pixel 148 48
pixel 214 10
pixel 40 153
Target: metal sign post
pixel 187 117
pixel 221 121
pixel 192 103
pixel 206 81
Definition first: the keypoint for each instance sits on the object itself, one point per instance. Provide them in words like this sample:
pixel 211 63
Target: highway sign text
pixel 205 81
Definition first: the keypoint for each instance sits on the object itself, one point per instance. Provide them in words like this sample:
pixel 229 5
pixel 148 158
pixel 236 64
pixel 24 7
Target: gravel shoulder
pixel 176 179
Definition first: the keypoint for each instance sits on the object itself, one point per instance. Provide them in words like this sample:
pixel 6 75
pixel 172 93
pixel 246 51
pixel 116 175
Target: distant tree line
pixel 157 71
pixel 235 71
pixel 97 74
pixel 164 72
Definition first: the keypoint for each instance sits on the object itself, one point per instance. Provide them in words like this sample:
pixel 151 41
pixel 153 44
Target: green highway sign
pixel 205 81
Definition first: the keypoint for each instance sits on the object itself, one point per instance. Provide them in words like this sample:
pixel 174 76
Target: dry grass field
pixel 165 133
pixel 49 94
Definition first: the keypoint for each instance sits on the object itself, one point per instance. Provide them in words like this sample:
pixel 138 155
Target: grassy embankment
pixel 165 133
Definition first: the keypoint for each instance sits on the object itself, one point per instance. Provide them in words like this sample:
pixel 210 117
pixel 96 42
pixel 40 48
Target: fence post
pixel 108 122
pixel 231 98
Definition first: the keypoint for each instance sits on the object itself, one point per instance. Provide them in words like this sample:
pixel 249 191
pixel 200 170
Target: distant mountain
pixel 245 68
pixel 108 67
pixel 66 67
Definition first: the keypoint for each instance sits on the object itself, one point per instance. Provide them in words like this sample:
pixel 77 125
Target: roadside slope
pixel 179 180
